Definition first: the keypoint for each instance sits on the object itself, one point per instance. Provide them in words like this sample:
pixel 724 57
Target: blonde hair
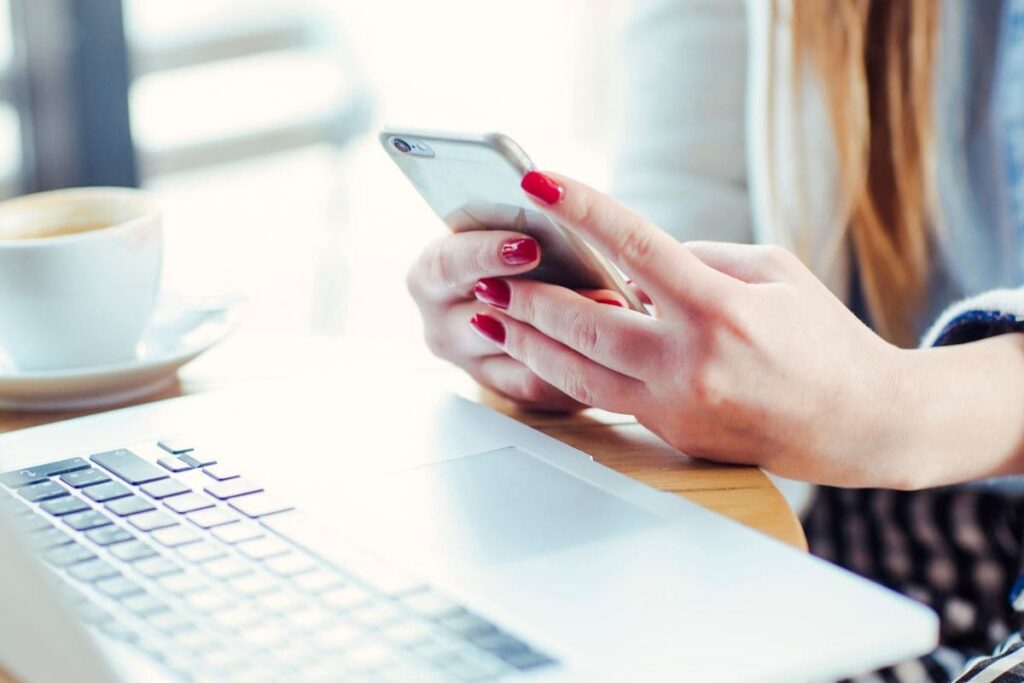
pixel 874 60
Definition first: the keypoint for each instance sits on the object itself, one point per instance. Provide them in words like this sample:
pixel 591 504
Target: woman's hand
pixel 749 359
pixel 442 282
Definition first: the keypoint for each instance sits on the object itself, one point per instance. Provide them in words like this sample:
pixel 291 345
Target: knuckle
pixel 636 245
pixel 486 257
pixel 444 270
pixel 583 332
pixel 574 384
pixel 437 343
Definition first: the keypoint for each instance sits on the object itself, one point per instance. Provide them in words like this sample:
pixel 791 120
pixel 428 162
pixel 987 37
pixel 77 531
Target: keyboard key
pixel 49 538
pixel 175 536
pixel 291 564
pixel 232 488
pixel 337 637
pixel 59 507
pixel 170 622
pixel 310 619
pixel 264 548
pixel 172 464
pixel 108 535
pixel 197 459
pixel 144 605
pixel 212 600
pixel 82 478
pixel 93 570
pixel 152 520
pixel 527 659
pixel 264 635
pixel 132 551
pixel 346 598
pixel 127 466
pixel 111 490
pixel 165 489
pixel 155 567
pixel 226 568
pixel 280 602
pixel 83 521
pixel 254 584
pixel 66 555
pixel 175 444
pixel 24 477
pixel 472 671
pixel 220 473
pixel 183 583
pixel 440 652
pixel 44 490
pixel 204 551
pixel 197 642
pixel 430 604
pixel 369 656
pixel 467 624
pixel 118 630
pixel 189 502
pixel 259 505
pixel 407 632
pixel 317 581
pixel 133 505
pixel 238 616
pixel 237 533
pixel 37 473
pixel 376 615
pixel 212 517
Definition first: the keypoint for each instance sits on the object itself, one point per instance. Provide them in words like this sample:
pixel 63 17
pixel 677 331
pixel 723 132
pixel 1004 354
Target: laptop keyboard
pixel 191 563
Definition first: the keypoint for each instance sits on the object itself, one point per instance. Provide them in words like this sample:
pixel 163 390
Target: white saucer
pixel 181 329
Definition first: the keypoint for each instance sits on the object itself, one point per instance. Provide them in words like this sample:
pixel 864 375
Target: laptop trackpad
pixel 488 508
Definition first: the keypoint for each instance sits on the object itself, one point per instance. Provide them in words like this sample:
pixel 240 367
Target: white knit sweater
pixel 696 138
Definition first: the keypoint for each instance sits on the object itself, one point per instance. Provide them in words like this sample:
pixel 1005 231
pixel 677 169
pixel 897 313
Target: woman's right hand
pixel 445 283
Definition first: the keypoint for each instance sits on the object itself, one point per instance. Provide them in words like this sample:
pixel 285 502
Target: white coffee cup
pixel 79 276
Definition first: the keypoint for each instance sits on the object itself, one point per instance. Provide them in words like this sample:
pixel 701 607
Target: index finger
pixel 662 266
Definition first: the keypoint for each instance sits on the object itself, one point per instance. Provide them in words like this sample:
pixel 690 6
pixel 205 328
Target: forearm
pixel 958 414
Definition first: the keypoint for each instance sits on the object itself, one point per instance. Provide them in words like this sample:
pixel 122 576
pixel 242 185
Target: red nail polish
pixel 610 302
pixel 519 251
pixel 494 292
pixel 489 327
pixel 542 187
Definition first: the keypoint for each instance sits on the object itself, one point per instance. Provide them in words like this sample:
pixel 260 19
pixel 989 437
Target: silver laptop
pixel 300 532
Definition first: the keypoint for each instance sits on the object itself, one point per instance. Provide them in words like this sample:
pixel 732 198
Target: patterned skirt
pixel 956 549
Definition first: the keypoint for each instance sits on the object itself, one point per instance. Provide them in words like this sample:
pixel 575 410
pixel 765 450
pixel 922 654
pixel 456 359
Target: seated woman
pixel 860 164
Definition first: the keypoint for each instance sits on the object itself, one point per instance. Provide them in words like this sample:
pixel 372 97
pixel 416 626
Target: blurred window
pixel 10 129
pixel 221 80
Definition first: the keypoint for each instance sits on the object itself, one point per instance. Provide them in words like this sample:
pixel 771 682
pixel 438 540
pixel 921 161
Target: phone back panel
pixel 472 183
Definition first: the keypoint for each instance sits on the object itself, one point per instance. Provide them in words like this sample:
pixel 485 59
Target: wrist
pixel 957 413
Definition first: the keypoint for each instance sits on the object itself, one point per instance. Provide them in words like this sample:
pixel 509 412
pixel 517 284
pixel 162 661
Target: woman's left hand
pixel 749 358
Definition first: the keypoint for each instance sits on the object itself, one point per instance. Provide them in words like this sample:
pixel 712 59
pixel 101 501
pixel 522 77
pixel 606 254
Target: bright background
pixel 255 121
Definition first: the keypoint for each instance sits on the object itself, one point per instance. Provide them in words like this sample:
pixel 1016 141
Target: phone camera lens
pixel 401 145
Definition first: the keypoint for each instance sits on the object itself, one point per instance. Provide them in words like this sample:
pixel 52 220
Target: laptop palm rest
pixel 489 508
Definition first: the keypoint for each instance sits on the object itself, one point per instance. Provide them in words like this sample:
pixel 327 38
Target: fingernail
pixel 488 327
pixel 542 187
pixel 494 292
pixel 610 302
pixel 519 251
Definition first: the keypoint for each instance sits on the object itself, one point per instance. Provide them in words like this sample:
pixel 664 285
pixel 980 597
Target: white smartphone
pixel 472 183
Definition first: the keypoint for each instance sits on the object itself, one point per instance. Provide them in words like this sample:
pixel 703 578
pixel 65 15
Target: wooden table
pixel 742 493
